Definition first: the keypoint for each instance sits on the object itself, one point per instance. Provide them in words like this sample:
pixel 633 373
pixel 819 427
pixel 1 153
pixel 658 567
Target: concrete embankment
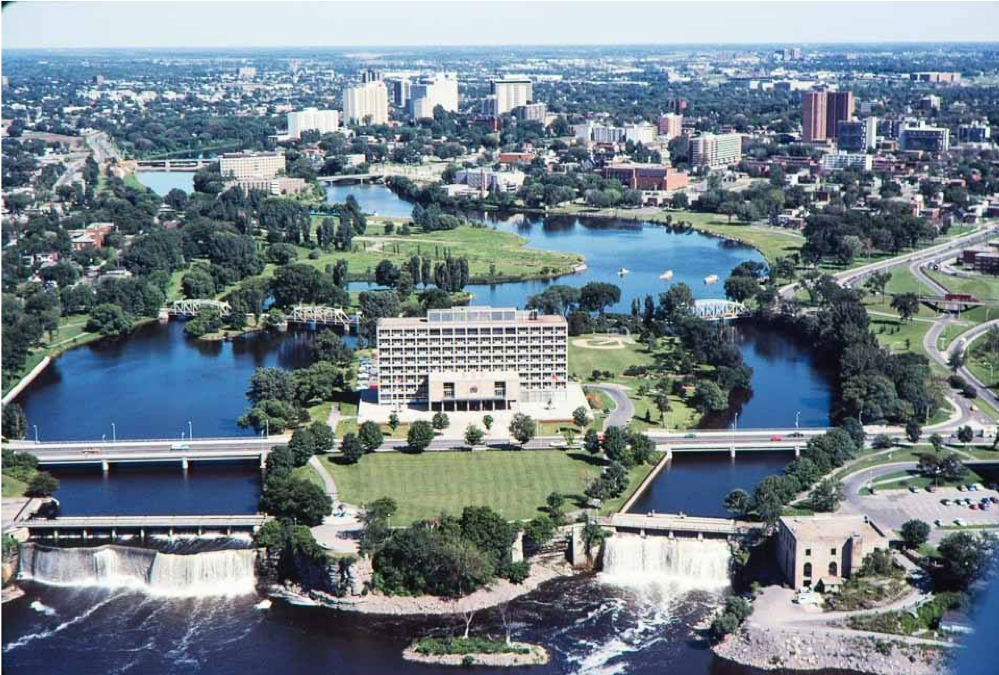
pixel 26 380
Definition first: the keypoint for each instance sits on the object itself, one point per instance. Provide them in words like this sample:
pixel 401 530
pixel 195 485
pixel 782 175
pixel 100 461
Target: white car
pixel 808 598
pixel 960 522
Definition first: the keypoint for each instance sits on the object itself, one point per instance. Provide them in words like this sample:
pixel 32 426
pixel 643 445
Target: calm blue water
pixel 373 199
pixel 161 182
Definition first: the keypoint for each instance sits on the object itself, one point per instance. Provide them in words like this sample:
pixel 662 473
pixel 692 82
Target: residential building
pixel 929 102
pixel 371 75
pixel 91 236
pixel 826 549
pixel 984 259
pixel 857 135
pixel 643 133
pixel 889 128
pixel 924 139
pixel 399 91
pixel 516 157
pixel 671 125
pixel 976 132
pixel 251 165
pixel 936 77
pixel 836 161
pixel 840 107
pixel 490 106
pixel 274 186
pixel 472 358
pixel 246 73
pixel 366 103
pixel 646 176
pixel 715 149
pixel 487 180
pixel 323 121
pixel 532 112
pixel 440 89
pixel 822 111
pixel 605 134
pixel 511 92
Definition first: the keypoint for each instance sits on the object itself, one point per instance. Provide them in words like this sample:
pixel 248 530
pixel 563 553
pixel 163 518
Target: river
pixel 156 381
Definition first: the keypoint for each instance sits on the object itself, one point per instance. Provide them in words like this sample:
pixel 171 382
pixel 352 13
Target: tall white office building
pixel 324 121
pixel 368 100
pixel 511 92
pixel 440 89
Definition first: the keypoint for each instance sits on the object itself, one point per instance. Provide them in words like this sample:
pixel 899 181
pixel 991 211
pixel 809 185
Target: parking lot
pixel 891 508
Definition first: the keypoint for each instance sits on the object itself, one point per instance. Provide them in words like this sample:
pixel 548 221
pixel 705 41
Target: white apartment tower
pixel 511 92
pixel 715 149
pixel 251 165
pixel 324 121
pixel 368 100
pixel 440 89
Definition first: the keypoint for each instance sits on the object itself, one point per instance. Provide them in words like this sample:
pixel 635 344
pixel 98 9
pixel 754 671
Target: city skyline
pixel 66 25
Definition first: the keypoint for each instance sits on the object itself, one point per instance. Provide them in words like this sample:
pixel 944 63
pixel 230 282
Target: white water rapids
pixel 687 563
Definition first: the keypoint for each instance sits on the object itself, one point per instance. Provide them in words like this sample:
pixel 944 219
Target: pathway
pixel 623 410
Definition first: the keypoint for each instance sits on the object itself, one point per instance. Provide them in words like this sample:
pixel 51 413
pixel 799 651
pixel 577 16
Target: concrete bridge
pixel 172 164
pixel 673 524
pixel 112 527
pixel 104 454
pixel 383 171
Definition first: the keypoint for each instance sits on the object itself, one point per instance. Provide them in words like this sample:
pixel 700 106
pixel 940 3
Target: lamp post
pixel 267 428
pixel 35 426
pixel 114 433
pixel 797 417
pixel 190 431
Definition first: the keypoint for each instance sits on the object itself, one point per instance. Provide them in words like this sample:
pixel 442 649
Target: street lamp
pixel 114 433
pixel 190 431
pixel 36 432
pixel 797 416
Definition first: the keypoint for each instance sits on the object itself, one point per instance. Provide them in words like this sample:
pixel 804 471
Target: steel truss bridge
pixel 192 307
pixel 324 316
pixel 719 310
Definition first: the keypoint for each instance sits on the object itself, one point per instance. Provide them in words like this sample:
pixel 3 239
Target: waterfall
pixel 631 559
pixel 226 572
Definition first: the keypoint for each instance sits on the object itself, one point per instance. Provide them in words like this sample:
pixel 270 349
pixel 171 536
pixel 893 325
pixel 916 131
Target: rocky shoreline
pixel 776 649
pixel 535 656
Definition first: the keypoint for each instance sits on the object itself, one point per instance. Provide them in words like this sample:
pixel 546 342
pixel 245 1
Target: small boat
pixel 621 272
pixel 710 279
pixel 667 275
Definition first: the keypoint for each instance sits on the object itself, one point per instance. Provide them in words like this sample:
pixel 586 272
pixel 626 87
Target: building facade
pixel 671 125
pixel 715 149
pixel 976 132
pixel 323 121
pixel 487 180
pixel 646 176
pixel 366 101
pixel 472 358
pixel 251 165
pixel 822 111
pixel 857 135
pixel 924 139
pixel 829 549
pixel 837 161
pixel 511 92
pixel 440 89
pixel 532 112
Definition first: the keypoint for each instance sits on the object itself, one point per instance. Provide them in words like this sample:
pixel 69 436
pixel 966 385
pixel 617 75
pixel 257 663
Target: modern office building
pixel 643 133
pixel 365 103
pixel 251 165
pixel 532 112
pixel 399 90
pixel 472 358
pixel 929 102
pixel 511 92
pixel 671 125
pixel 857 135
pixel 936 77
pixel 646 176
pixel 836 161
pixel 715 149
pixel 826 549
pixel 429 92
pixel 924 139
pixel 323 121
pixel 889 128
pixel 281 185
pixel 371 75
pixel 976 132
pixel 488 180
pixel 822 111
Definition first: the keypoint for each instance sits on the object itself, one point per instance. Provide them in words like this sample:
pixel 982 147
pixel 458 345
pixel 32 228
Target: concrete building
pixel 836 161
pixel 857 135
pixel 440 89
pixel 643 133
pixel 936 77
pixel 490 106
pixel 929 102
pixel 715 149
pixel 840 107
pixel 274 186
pixel 822 111
pixel 372 75
pixel 472 358
pixel 364 102
pixel 976 132
pixel 323 121
pixel 399 91
pixel 924 139
pixel 251 165
pixel 487 180
pixel 827 549
pixel 511 92
pixel 671 125
pixel 984 259
pixel 532 112
pixel 246 73
pixel 646 176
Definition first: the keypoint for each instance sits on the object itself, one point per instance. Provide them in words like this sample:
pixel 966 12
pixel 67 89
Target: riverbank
pixel 520 654
pixel 820 648
pixel 497 593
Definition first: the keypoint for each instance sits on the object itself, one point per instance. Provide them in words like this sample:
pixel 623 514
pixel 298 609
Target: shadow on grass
pixel 592 460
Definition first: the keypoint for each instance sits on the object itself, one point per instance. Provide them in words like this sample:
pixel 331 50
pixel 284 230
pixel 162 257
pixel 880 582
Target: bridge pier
pixel 105 466
pixel 669 453
pixel 85 536
pixel 731 452
pixel 114 533
pixel 797 451
pixel 142 533
pixel 183 463
pixel 263 460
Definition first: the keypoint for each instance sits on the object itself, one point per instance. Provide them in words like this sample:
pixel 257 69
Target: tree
pixel 537 532
pixel 556 502
pixel 522 428
pixel 440 421
pixel 580 416
pixel 352 448
pixel 956 359
pixel 299 501
pixel 964 559
pixel 323 438
pixel 473 435
pixel 328 346
pixel 15 423
pixel 591 441
pixel 596 296
pixel 914 533
pixel 709 397
pixel 906 304
pixel 826 496
pixel 386 273
pixel 741 288
pixel 420 435
pixel 302 446
pixel 109 320
pixel 593 536
pixel 42 484
pixel 615 447
pixel 737 502
pixel 393 422
pixel 965 434
pixel 370 436
pixel 913 431
pixel 487 422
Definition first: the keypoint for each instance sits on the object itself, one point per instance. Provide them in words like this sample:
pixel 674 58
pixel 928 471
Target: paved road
pixel 624 409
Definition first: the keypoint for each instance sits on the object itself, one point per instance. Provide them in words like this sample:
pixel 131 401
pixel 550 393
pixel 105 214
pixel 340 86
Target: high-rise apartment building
pixel 511 92
pixel 924 139
pixel 715 149
pixel 251 165
pixel 822 111
pixel 857 135
pixel 323 121
pixel 472 358
pixel 399 91
pixel 532 112
pixel 371 75
pixel 671 125
pixel 976 132
pixel 366 103
pixel 836 161
pixel 436 90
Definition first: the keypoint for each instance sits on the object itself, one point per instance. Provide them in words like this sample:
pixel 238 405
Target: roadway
pixel 624 409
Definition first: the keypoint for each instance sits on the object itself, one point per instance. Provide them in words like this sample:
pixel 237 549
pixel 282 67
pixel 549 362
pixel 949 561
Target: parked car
pixel 776 438
pixel 796 434
pixel 961 488
pixel 960 522
pixel 973 506
pixel 913 488
pixel 938 522
pixel 945 502
pixel 994 499
pixel 931 488
pixel 690 436
pixel 179 446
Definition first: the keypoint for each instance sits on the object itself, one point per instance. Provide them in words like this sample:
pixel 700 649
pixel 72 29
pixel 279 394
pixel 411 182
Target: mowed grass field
pixel 513 483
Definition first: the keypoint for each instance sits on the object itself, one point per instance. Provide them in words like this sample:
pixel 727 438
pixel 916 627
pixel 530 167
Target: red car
pixel 776 438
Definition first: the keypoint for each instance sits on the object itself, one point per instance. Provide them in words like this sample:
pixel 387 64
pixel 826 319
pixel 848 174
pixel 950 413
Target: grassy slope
pixel 13 487
pixel 514 483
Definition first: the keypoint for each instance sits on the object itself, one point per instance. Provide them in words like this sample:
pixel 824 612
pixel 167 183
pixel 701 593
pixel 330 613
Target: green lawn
pixel 635 477
pixel 979 285
pixel 902 281
pixel 13 487
pixel 514 483
pixel 308 473
pixel 911 478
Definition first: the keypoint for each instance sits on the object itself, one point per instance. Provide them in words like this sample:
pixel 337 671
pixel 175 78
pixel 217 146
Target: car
pixel 808 598
pixel 690 436
pixel 960 522
pixel 994 499
pixel 179 446
pixel 973 507
pixel 972 487
pixel 945 502
pixel 931 488
pixel 913 488
pixel 961 488
pixel 938 522
pixel 986 506
pixel 796 434
pixel 776 438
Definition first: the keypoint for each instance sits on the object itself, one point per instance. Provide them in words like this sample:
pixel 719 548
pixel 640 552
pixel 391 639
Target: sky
pixel 413 23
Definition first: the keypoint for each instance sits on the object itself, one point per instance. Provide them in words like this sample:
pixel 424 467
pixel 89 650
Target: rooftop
pixel 838 528
pixel 473 315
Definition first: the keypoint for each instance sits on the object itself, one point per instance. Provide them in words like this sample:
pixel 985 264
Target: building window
pixel 808 570
pixel 832 551
pixel 808 551
pixel 833 569
pixel 449 390
pixel 499 389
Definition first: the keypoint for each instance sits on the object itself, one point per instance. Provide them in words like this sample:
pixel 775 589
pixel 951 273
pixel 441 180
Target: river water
pixel 155 382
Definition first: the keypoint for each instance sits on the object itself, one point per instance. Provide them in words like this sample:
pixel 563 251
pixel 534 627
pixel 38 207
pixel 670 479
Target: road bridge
pixel 323 316
pixel 191 307
pixel 172 164
pixel 677 524
pixel 104 454
pixel 113 527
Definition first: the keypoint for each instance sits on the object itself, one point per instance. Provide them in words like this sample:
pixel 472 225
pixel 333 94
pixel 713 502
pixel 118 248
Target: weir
pixel 630 558
pixel 227 572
